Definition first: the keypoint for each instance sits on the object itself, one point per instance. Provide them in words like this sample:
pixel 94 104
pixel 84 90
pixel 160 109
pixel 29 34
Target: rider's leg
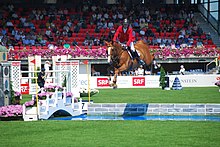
pixel 133 51
pixel 135 54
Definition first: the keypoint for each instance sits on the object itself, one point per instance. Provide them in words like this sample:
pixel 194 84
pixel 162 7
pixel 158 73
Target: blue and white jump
pixel 58 101
pixel 46 108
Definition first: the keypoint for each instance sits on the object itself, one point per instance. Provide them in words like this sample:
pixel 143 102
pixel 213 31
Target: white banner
pixel 149 81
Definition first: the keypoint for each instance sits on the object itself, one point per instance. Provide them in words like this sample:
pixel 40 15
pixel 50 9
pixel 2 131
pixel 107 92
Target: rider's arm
pixel 131 37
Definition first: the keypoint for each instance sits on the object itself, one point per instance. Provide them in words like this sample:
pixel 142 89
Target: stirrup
pixel 141 62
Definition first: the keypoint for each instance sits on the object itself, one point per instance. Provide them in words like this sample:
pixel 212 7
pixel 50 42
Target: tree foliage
pixel 162 77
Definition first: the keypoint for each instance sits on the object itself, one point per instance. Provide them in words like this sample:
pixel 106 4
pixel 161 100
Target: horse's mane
pixel 117 46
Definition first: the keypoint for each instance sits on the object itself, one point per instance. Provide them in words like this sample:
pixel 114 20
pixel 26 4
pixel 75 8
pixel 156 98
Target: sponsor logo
pixel 83 82
pixel 186 81
pixel 102 82
pixel 138 81
pixel 24 88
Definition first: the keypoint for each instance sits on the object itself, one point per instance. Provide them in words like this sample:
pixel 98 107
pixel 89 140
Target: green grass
pixel 121 133
pixel 110 134
pixel 154 95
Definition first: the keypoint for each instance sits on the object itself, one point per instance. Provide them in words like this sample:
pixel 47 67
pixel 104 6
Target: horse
pixel 121 59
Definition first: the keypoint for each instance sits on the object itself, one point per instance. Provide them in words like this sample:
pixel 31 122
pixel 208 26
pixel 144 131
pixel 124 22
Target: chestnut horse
pixel 121 59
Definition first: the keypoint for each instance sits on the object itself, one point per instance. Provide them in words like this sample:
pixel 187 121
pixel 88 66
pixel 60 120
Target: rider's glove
pixel 124 46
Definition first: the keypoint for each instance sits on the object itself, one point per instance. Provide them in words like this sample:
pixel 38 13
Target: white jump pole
pixel 15 75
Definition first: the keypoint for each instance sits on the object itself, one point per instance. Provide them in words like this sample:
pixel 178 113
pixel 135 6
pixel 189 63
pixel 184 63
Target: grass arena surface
pixel 154 95
pixel 117 133
pixel 110 133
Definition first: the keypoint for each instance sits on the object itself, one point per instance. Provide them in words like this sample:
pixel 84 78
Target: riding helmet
pixel 125 23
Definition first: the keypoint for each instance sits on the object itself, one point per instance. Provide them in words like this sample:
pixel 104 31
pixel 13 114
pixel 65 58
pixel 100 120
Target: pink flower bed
pixel 162 53
pixel 95 53
pixel 185 52
pixel 11 110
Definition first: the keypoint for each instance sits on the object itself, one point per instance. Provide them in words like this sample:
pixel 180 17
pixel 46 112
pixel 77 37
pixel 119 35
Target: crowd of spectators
pixel 52 27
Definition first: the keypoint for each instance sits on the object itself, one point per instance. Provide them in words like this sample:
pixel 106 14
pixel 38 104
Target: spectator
pixel 96 41
pixel 74 43
pixel 43 42
pixel 14 15
pixel 41 78
pixel 51 46
pixel 87 36
pixel 102 40
pixel 141 71
pixel 154 41
pixel 76 28
pixel 136 24
pixel 47 66
pixel 110 24
pixel 86 42
pixel 142 25
pixel 142 32
pixel 199 43
pixel 208 36
pixel 182 70
pixel 156 68
pixel 94 72
pixel 70 33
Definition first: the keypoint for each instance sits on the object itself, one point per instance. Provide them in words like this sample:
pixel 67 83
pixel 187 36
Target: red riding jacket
pixel 124 37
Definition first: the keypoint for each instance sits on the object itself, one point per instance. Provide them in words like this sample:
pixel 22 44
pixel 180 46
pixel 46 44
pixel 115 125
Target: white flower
pixel 84 91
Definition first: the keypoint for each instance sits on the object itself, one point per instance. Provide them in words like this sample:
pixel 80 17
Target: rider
pixel 124 34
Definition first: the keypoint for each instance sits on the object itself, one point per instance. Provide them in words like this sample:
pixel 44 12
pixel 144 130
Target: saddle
pixel 128 49
pixel 134 55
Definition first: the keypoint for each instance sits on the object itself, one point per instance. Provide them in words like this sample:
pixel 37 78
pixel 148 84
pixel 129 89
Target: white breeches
pixel 132 46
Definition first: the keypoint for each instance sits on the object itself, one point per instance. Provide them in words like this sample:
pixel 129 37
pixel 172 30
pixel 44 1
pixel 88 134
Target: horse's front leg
pixel 109 73
pixel 109 80
pixel 115 79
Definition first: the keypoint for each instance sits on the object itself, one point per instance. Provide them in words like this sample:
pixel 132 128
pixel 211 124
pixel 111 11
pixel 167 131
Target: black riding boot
pixel 135 55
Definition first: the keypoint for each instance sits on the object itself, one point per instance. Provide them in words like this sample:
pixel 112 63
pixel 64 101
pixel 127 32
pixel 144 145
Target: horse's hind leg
pixel 109 80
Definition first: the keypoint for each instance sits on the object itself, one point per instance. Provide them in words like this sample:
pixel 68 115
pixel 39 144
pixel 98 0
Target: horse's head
pixel 114 51
pixel 114 48
pixel 109 48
